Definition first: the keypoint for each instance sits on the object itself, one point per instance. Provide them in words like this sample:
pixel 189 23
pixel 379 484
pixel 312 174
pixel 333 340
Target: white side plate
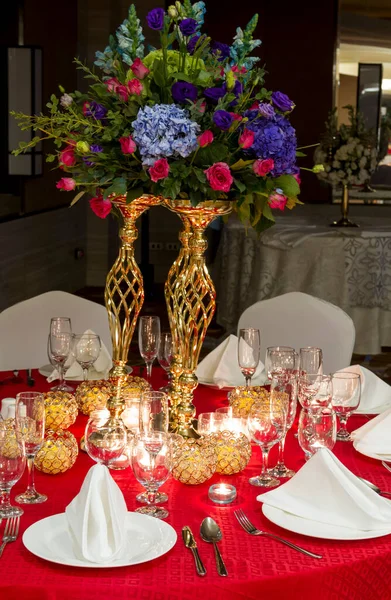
pixel 317 529
pixel 147 538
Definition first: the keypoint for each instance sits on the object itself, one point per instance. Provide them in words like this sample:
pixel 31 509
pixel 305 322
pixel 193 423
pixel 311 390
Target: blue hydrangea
pixel 274 138
pixel 164 130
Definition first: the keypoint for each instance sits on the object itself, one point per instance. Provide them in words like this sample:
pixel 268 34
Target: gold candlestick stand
pixel 344 221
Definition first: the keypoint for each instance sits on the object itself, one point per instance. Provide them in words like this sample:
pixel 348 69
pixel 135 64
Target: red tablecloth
pixel 258 567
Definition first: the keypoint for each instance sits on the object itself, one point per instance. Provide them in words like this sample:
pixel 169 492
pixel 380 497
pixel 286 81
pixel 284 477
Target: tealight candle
pixel 222 493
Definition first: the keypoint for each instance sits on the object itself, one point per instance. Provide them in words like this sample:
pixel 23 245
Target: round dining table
pixel 258 567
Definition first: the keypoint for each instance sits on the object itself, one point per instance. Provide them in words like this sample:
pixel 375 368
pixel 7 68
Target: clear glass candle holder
pixel 222 493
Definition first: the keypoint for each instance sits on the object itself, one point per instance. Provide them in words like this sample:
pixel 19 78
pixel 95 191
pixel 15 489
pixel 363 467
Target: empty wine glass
pixel 267 425
pixel 154 412
pixel 86 349
pixel 165 355
pixel 285 386
pixel 315 391
pixel 151 460
pixel 311 361
pixel 317 429
pixel 60 325
pixel 249 348
pixel 12 465
pixel 30 425
pixel 105 438
pixel 345 399
pixel 59 350
pixel 148 340
pixel 279 360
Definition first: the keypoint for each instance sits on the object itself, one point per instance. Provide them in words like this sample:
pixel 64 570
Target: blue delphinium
pixel 194 11
pixel 274 138
pixel 244 44
pixel 164 130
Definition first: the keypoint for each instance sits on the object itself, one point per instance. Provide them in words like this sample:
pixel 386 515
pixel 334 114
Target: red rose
pixel 138 69
pixel 66 183
pixel 219 177
pixel 128 145
pixel 159 170
pixel 246 139
pixel 205 138
pixel 263 167
pixel 100 206
pixel 67 156
pixel 277 201
pixel 135 87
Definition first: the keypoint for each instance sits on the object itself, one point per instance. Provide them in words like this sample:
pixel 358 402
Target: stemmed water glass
pixel 105 438
pixel 267 426
pixel 58 326
pixel 59 349
pixel 285 386
pixel 86 349
pixel 345 399
pixel 149 340
pixel 30 425
pixel 12 465
pixel 249 348
pixel 311 361
pixel 151 460
pixel 315 391
pixel 317 429
pixel 280 360
pixel 165 355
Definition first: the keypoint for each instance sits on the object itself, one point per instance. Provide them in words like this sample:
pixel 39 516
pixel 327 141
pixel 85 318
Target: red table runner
pixel 258 567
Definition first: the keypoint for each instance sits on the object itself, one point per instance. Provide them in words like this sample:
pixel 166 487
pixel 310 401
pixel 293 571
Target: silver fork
pixel 386 466
pixel 10 532
pixel 249 528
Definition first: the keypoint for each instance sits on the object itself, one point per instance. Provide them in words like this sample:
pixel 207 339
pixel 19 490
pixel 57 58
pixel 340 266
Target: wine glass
pixel 165 355
pixel 12 465
pixel 151 460
pixel 59 349
pixel 317 429
pixel 249 347
pixel 30 425
pixel 311 360
pixel 315 391
pixel 280 359
pixel 267 425
pixel 148 340
pixel 86 349
pixel 104 438
pixel 286 387
pixel 59 325
pixel 345 399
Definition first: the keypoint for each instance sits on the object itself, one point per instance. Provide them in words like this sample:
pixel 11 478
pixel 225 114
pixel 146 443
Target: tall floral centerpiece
pixel 189 125
pixel 349 157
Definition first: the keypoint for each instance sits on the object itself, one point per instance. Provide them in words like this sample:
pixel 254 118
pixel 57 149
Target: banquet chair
pixel 298 320
pixel 24 327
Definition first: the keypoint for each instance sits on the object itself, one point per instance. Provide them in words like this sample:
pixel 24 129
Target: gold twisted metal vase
pixel 191 303
pixel 124 293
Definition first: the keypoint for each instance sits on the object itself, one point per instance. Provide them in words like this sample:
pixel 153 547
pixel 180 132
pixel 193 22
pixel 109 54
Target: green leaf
pixel 118 187
pixel 216 152
pixel 77 197
pixel 158 73
pixel 172 187
pixel 133 194
pixel 267 213
pixel 298 153
pixel 241 164
pixel 288 184
pixel 263 224
pixel 240 185
pixel 200 175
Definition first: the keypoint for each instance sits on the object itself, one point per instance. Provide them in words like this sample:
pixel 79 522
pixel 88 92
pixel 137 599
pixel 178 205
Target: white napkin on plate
pixel 221 366
pixel 102 365
pixel 375 436
pixel 324 490
pixel 375 393
pixel 96 518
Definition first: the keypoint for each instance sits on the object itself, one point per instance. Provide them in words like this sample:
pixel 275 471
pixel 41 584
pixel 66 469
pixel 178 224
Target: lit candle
pixel 131 417
pixel 222 493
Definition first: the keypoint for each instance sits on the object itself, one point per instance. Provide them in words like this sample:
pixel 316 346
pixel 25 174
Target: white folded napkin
pixel 221 366
pixel 102 365
pixel 374 436
pixel 96 518
pixel 375 393
pixel 324 490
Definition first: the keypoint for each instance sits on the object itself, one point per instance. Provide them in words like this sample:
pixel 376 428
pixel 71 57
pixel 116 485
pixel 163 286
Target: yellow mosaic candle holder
pixel 92 395
pixel 58 452
pixel 134 384
pixel 194 460
pixel 60 410
pixel 242 398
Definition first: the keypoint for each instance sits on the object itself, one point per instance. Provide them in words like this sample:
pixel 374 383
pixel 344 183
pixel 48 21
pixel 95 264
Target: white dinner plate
pixel 147 538
pixel 317 529
pixel 46 370
pixel 365 452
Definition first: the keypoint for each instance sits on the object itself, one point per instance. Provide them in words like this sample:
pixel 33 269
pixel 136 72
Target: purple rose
pixel 223 119
pixel 214 94
pixel 94 109
pixel 155 19
pixel 87 161
pixel 282 102
pixel 221 50
pixel 182 91
pixel 188 26
pixel 192 43
pixel 96 148
pixel 266 110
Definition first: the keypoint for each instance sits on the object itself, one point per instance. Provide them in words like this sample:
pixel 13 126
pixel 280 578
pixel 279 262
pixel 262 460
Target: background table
pixel 258 567
pixel 350 268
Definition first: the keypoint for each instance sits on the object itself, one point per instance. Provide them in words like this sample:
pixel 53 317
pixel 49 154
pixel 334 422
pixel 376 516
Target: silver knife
pixel 190 543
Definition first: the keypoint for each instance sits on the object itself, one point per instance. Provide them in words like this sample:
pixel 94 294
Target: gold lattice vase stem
pixel 191 303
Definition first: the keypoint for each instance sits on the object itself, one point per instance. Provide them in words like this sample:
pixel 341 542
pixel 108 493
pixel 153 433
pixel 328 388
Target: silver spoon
pixel 211 532
pixel 375 488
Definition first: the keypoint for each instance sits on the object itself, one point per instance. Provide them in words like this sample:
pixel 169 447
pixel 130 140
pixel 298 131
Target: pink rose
pixel 235 116
pixel 235 69
pixel 277 201
pixel 159 170
pixel 128 145
pixel 262 167
pixel 205 138
pixel 123 92
pixel 246 139
pixel 100 206
pixel 138 69
pixel 66 183
pixel 254 106
pixel 135 87
pixel 297 177
pixel 112 84
pixel 202 107
pixel 219 177
pixel 67 156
